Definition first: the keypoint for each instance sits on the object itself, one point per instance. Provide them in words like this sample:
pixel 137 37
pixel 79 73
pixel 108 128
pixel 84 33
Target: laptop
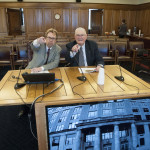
pixel 38 78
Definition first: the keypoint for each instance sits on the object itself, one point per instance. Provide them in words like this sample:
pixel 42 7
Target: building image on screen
pixel 114 125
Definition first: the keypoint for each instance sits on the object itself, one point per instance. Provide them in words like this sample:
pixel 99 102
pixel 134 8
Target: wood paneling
pixel 66 20
pixel 3 22
pixel 48 21
pixel 40 16
pixel 74 19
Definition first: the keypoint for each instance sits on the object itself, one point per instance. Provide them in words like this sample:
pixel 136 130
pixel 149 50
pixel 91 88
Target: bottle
pixel 101 76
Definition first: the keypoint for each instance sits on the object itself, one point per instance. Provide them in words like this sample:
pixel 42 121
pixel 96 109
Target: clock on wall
pixel 57 16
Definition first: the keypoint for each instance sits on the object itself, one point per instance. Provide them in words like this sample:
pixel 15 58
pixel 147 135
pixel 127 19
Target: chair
pixel 63 53
pixel 6 55
pixel 14 42
pixel 106 53
pixel 140 53
pixel 21 55
pixel 123 54
pixel 111 40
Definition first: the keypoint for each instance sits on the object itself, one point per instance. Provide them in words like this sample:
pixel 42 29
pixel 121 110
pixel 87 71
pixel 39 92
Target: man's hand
pixel 41 40
pixel 97 68
pixel 75 48
pixel 35 70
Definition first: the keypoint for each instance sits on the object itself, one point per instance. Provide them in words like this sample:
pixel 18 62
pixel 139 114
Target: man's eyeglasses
pixel 51 38
pixel 78 35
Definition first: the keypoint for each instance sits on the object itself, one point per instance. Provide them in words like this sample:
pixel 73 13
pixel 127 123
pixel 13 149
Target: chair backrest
pixel 136 44
pixel 111 40
pixel 5 51
pixel 22 52
pixel 121 47
pixel 64 50
pixel 103 48
pixel 30 52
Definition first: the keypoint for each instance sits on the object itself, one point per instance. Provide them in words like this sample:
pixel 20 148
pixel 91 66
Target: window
pixel 137 117
pixel 72 125
pixel 105 105
pixel 59 127
pixel 120 103
pixel 65 112
pixel 90 137
pixel 77 109
pixel 94 106
pixel 107 135
pixel 142 142
pixel 92 114
pixel 145 109
pixel 75 116
pixel 123 133
pixel 54 115
pixel 135 110
pixel 147 117
pixel 62 119
pixel 140 129
pixel 120 110
pixel 70 139
pixel 55 141
pixel 106 111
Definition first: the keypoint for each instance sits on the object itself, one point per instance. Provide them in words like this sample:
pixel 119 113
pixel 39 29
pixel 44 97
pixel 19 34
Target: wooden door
pixel 14 21
pixel 96 21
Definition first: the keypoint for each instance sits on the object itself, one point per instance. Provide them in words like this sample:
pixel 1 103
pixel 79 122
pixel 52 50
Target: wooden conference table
pixel 89 90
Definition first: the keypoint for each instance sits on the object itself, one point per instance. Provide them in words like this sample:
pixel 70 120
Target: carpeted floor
pixel 15 132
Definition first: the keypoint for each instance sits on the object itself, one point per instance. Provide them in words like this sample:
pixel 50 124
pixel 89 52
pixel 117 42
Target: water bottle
pixel 101 76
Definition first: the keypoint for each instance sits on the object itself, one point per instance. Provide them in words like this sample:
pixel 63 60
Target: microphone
pixel 120 78
pixel 81 78
pixel 19 85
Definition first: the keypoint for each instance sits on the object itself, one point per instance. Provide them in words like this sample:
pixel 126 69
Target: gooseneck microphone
pixel 82 78
pixel 19 85
pixel 120 78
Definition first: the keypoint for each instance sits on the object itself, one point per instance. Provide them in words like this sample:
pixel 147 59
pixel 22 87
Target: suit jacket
pixel 40 56
pixel 123 29
pixel 92 54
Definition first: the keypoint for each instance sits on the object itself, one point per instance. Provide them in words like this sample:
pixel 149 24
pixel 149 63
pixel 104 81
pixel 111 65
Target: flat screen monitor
pixel 121 124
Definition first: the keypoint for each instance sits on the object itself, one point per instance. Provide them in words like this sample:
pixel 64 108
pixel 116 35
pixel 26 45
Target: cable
pixel 32 105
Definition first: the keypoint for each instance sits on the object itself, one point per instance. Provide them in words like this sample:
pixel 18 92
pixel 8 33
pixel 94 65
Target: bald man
pixel 91 56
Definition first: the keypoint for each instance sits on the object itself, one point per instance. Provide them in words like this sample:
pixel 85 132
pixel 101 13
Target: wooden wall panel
pixel 74 19
pixel 66 20
pixel 83 18
pixel 40 16
pixel 48 21
pixel 39 20
pixel 29 15
pixel 58 24
pixel 3 22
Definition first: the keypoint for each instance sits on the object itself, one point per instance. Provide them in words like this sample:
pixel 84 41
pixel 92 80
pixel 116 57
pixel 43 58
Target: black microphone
pixel 19 85
pixel 120 78
pixel 82 78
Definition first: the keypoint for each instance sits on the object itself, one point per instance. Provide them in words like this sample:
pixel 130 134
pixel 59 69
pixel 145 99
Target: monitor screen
pixel 116 124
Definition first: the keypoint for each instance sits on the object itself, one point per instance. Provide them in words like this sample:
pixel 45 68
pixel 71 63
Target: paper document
pixel 45 71
pixel 86 70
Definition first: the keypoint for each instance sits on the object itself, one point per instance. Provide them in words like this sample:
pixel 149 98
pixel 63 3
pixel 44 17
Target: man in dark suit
pixel 90 54
pixel 46 53
pixel 123 29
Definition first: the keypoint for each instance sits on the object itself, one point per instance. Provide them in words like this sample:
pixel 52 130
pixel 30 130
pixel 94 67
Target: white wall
pixel 88 1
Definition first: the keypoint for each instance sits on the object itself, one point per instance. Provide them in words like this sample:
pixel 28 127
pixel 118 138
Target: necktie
pixel 47 55
pixel 81 57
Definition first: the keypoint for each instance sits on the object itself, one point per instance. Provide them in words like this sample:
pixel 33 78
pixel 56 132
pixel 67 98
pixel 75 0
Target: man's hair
pixel 123 20
pixel 80 28
pixel 52 31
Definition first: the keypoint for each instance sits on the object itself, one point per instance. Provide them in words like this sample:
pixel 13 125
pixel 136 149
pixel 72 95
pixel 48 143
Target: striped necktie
pixel 81 57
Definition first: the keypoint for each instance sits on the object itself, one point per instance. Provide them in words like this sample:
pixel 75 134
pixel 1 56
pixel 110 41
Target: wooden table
pixel 89 90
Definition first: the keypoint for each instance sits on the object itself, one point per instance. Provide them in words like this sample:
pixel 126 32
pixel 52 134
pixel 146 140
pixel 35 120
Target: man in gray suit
pixel 46 53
